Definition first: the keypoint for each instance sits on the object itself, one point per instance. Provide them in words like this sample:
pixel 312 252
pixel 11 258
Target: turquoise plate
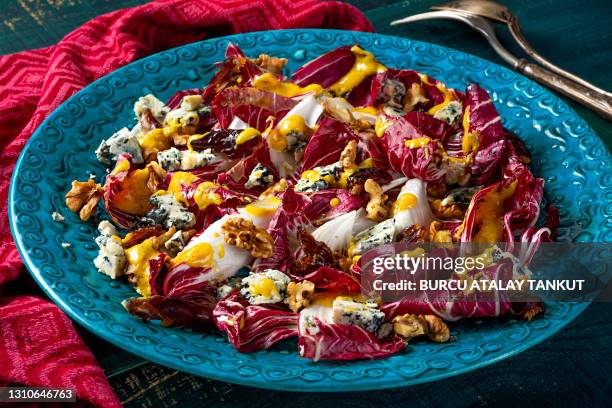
pixel 567 154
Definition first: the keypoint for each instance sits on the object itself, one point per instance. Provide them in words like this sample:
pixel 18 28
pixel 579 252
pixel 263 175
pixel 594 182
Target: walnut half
pixel 375 209
pixel 349 154
pixel 446 211
pixel 270 64
pixel 410 325
pixel 242 233
pixel 298 294
pixel 83 198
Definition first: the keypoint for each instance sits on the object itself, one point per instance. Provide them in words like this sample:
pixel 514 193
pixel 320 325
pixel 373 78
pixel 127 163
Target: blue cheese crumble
pixel 168 212
pixel 363 314
pixel 379 234
pixel 111 258
pixel 189 113
pixel 260 177
pixel 269 286
pixel 450 113
pixel 319 178
pixel 174 159
pixel 57 217
pixel 122 142
pixel 228 287
pixel 149 103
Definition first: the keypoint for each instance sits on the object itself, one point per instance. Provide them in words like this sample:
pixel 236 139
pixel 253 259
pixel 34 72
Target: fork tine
pixel 427 16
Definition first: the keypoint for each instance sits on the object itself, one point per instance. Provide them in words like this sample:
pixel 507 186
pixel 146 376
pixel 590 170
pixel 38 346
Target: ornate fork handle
pixel 600 102
pixel 517 33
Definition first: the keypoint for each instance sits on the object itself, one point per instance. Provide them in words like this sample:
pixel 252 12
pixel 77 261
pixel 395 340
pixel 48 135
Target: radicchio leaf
pixel 252 327
pixel 327 143
pixel 251 105
pixel 330 279
pixel 236 70
pixel 328 341
pixel 327 69
pixel 451 306
pixel 124 191
pixel 175 101
pixel 483 119
pixel 236 177
pixel 419 161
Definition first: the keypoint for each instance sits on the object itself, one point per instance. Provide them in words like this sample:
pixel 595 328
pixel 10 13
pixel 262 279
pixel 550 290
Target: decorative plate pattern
pixel 567 154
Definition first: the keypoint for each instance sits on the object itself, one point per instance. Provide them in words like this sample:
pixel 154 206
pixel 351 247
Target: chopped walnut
pixel 83 197
pixel 436 190
pixel 349 154
pixel 356 190
pixel 375 209
pixel 244 234
pixel 410 325
pixel 278 187
pixel 298 294
pixel 156 176
pixel 271 64
pixel 414 96
pixel 528 311
pixel 446 211
pixel 160 240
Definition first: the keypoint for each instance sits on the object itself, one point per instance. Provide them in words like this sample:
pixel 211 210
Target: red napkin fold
pixel 38 343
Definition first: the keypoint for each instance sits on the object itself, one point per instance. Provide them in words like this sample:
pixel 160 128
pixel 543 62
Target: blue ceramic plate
pixel 567 154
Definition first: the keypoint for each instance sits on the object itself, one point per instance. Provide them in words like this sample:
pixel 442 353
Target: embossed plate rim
pixel 299 383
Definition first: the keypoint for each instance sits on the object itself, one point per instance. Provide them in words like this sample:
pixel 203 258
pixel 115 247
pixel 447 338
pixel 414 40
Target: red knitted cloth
pixel 38 343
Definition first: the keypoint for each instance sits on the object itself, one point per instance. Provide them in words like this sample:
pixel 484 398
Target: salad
pixel 245 206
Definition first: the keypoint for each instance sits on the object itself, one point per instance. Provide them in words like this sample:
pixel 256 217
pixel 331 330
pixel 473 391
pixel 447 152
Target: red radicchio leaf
pixel 236 66
pixel 331 279
pixel 175 101
pixel 251 327
pixel 486 164
pixel 297 210
pixel 157 270
pixel 251 105
pixel 415 162
pixel 360 95
pixel 327 143
pixel 483 117
pixel 230 201
pixel 405 76
pixel 233 51
pixel 370 146
pixel 348 203
pixel 211 170
pixel 183 279
pixel 236 177
pixel 327 69
pixel 112 187
pixel 451 307
pixel 533 236
pixel 344 342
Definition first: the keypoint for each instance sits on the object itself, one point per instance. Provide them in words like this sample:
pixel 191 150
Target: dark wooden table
pixel 573 368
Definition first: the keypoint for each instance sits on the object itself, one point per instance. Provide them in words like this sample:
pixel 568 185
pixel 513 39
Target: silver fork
pixel 478 15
